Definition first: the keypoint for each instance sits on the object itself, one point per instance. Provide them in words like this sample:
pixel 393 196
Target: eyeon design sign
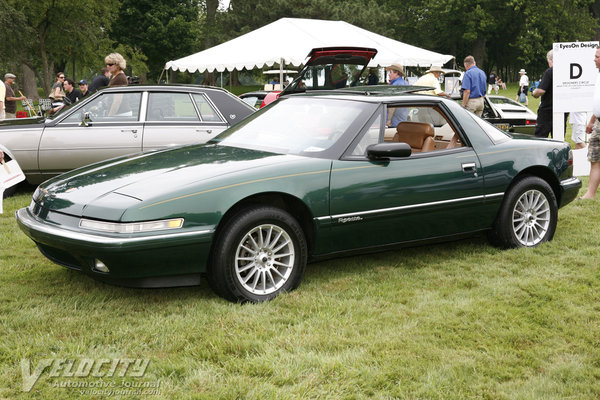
pixel 574 76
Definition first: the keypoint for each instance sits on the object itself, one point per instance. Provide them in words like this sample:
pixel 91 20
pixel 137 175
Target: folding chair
pixel 45 105
pixel 28 105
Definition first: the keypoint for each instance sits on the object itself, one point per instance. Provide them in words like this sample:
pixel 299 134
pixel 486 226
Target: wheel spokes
pixel 531 218
pixel 264 259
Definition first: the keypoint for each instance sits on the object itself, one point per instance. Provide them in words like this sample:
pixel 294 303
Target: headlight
pixel 131 227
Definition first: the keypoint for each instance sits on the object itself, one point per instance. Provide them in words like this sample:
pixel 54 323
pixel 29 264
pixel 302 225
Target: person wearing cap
pixel 432 79
pixel 83 87
pixel 523 85
pixel 10 101
pixel 396 76
pixel 474 85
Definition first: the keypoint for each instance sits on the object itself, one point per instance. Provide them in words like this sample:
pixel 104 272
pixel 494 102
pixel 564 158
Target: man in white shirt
pixel 593 127
pixel 523 86
pixel 432 79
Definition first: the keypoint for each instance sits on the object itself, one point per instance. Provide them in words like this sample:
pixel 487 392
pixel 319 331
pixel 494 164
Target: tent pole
pixel 281 73
pixel 161 74
pixel 221 79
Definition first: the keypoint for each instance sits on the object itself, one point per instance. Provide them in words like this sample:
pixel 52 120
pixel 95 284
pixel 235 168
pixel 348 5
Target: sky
pixel 223 4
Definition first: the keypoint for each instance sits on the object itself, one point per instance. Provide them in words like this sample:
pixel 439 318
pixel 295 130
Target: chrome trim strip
pixel 24 217
pixel 412 206
pixel 569 181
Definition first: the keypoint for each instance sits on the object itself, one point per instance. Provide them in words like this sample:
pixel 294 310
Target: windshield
pixel 332 69
pixel 308 126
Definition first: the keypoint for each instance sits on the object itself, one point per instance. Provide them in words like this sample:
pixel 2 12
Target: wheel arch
pixel 291 204
pixel 541 172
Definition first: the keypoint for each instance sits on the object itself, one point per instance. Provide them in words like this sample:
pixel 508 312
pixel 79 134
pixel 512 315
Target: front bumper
pixel 132 259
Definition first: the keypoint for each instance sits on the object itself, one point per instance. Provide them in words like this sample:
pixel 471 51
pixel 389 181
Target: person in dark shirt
pixel 543 127
pixel 72 94
pixel 83 86
pixel 100 81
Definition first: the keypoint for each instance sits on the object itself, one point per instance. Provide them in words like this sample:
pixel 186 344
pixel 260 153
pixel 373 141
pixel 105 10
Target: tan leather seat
pixel 418 135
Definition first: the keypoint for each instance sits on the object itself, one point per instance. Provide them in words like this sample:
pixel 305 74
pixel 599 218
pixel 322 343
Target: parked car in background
pixel 117 121
pixel 307 178
pixel 255 98
pixel 509 115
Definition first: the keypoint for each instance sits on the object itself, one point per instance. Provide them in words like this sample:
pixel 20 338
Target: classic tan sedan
pixel 118 121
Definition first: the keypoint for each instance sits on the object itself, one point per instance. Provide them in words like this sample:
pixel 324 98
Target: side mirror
pixel 385 151
pixel 86 121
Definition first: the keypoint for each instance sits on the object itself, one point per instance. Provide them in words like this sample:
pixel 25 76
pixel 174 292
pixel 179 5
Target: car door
pixel 178 118
pixel 111 128
pixel 426 195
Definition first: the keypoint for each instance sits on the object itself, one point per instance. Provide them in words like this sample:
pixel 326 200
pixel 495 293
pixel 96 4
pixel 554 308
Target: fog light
pixel 100 266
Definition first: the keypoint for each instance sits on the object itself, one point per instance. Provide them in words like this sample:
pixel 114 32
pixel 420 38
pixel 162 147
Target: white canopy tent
pixel 289 40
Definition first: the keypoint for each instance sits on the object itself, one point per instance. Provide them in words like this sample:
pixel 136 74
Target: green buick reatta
pixel 307 178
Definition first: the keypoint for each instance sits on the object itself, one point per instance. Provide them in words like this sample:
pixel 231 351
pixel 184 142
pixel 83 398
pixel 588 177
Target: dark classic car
pixel 309 177
pixel 118 121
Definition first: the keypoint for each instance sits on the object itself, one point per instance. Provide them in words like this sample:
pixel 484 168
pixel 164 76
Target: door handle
pixel 134 131
pixel 469 168
pixel 204 130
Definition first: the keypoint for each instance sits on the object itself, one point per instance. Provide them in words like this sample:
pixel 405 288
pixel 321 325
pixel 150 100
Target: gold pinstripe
pixel 250 182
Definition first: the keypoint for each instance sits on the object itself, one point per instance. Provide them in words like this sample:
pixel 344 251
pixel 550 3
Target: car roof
pixel 165 87
pixel 375 94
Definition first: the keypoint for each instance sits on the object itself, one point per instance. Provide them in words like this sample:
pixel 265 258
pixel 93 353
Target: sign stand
pixel 573 80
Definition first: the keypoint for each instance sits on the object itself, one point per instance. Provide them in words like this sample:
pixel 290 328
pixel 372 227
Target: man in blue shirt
pixel 474 87
pixel 396 76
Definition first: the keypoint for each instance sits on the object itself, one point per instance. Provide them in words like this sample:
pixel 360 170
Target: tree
pixel 161 30
pixel 43 33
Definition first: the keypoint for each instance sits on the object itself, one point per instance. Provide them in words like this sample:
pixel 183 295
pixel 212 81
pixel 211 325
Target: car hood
pixel 510 110
pixel 110 187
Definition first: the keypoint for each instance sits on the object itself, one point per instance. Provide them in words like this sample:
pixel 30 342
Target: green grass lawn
pixel 461 320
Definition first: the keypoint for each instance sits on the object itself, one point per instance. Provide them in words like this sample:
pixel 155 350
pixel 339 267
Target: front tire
pixel 260 253
pixel 528 215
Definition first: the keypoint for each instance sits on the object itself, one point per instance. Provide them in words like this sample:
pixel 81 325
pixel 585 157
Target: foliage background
pixel 43 37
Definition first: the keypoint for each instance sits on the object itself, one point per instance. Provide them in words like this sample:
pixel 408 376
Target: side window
pixel 172 107
pixel 370 137
pixel 442 131
pixel 396 115
pixel 207 111
pixel 110 107
pixel 424 128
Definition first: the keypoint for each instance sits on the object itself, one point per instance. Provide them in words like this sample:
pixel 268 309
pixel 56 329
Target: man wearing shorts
pixel 594 144
pixel 578 121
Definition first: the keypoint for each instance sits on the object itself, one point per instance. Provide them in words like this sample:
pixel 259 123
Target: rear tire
pixel 260 253
pixel 528 215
